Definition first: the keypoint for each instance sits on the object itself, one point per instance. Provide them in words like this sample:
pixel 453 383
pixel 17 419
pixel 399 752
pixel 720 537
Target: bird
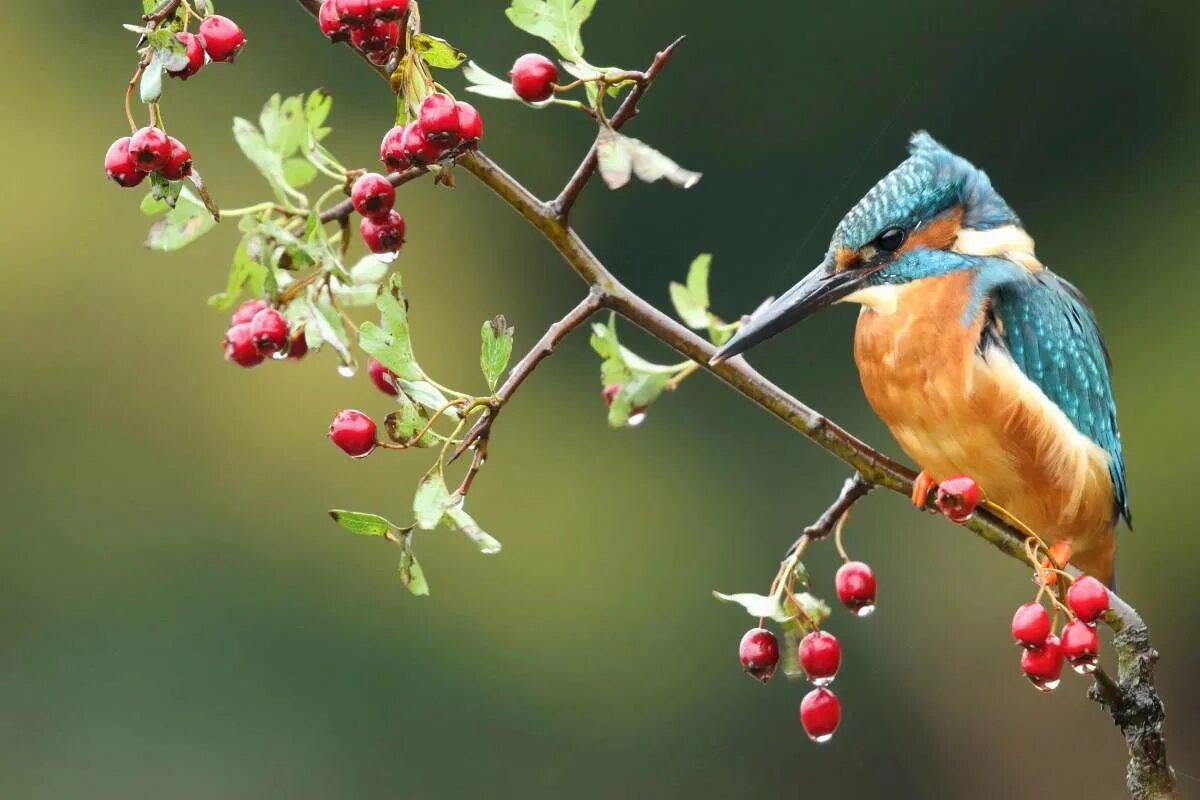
pixel 979 359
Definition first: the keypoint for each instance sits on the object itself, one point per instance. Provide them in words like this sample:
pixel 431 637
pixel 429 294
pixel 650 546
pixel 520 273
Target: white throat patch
pixel 1007 241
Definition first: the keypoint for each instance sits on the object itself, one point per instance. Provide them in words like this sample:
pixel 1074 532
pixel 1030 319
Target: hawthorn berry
pixel 376 36
pixel 246 311
pixel 957 498
pixel 354 432
pixel 269 330
pixel 855 585
pixel 820 656
pixel 239 346
pixel 331 24
pixel 1080 646
pixel 297 345
pixel 179 163
pixel 533 77
pixel 1031 625
pixel 759 653
pixel 221 37
pixel 195 56
pixel 119 165
pixel 149 148
pixel 439 118
pixel 417 149
pixel 391 149
pixel 383 378
pixel 1088 598
pixel 1043 665
pixel 373 196
pixel 610 393
pixel 354 12
pixel 820 714
pixel 389 9
pixel 383 235
pixel 470 123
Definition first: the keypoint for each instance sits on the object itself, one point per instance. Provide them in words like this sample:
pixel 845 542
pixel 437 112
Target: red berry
pixel 855 584
pixel 820 714
pixel 820 656
pixel 221 37
pixel 195 56
pixel 1031 625
pixel 1080 646
pixel 239 346
pixel 389 9
pixel 354 432
pixel 439 118
pixel 149 148
pixel 297 345
pixel 373 196
pixel 246 311
pixel 1088 598
pixel 418 149
pixel 354 12
pixel 470 123
pixel 533 77
pixel 391 150
pixel 269 330
pixel 179 163
pixel 1043 665
pixel 331 24
pixel 759 653
pixel 610 393
pixel 957 498
pixel 383 378
pixel 119 165
pixel 376 36
pixel 383 235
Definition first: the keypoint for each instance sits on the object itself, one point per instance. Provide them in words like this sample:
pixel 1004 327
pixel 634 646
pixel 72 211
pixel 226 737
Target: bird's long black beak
pixel 818 289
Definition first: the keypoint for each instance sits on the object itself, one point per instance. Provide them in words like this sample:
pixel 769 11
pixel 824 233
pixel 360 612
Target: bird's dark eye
pixel 891 239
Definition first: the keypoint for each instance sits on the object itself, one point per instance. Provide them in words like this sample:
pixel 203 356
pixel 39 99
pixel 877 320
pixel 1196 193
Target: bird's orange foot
pixel 922 486
pixel 1058 555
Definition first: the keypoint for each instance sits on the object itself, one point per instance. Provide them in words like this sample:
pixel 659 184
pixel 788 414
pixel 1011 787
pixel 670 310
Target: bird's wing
pixel 1045 324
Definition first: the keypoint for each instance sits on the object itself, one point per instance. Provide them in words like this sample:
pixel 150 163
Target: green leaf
pixel 256 148
pixel 621 156
pixel 482 82
pixel 153 206
pixel 404 424
pixel 244 271
pixel 182 225
pixel 487 544
pixel 697 279
pixel 431 501
pixel 497 349
pixel 411 574
pixel 438 52
pixel 316 111
pixel 638 392
pixel 299 172
pixel 151 86
pixel 361 523
pixel 428 396
pixel 691 301
pixel 165 190
pixel 284 124
pixel 758 605
pixel 391 344
pixel 556 21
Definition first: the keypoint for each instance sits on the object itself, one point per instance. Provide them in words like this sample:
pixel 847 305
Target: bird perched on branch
pixel 979 359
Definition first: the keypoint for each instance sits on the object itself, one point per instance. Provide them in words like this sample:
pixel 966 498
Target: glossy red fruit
pixel 149 148
pixel 195 56
pixel 1043 665
pixel 855 585
pixel 119 165
pixel 391 150
pixel 383 235
pixel 820 714
pixel 759 653
pixel 354 432
pixel 221 37
pixel 246 311
pixel 179 163
pixel 389 9
pixel 297 345
pixel 376 36
pixel 354 12
pixel 957 498
pixel 1031 625
pixel 610 393
pixel 1088 598
pixel 418 149
pixel 373 196
pixel 239 346
pixel 269 330
pixel 384 379
pixel 331 24
pixel 533 77
pixel 820 656
pixel 1080 646
pixel 439 118
pixel 470 123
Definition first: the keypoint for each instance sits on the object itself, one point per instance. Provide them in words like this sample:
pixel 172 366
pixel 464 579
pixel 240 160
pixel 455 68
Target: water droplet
pixel 822 739
pixel 636 419
pixel 280 355
pixel 347 370
pixel 387 258
pixel 1085 666
pixel 1044 685
pixel 864 611
pixel 822 681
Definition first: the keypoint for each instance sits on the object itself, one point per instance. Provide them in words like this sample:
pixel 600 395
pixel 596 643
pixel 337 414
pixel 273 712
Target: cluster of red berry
pixel 442 126
pixel 819 653
pixel 256 331
pixel 353 431
pixel 1043 654
pixel 372 26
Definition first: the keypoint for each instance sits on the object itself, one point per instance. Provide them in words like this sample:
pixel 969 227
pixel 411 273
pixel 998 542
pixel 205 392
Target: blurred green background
pixel 180 619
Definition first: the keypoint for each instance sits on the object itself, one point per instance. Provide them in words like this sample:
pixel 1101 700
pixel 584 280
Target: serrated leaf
pixel 496 351
pixel 361 523
pixel 487 544
pixel 438 52
pixel 757 605
pixel 428 396
pixel 317 107
pixel 391 344
pixel 637 392
pixel 692 314
pixel 431 501
pixel 697 279
pixel 299 172
pixel 284 124
pixel 404 424
pixel 556 21
pixel 182 225
pixel 164 190
pixel 255 147
pixel 411 574
pixel 621 156
pixel 244 271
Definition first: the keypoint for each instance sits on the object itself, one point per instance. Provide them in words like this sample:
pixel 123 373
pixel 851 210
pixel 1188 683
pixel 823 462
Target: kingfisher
pixel 978 358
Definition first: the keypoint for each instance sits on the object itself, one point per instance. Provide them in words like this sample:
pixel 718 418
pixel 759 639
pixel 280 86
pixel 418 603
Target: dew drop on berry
pixel 636 418
pixel 822 739
pixel 821 682
pixel 1085 666
pixel 864 611
pixel 1044 685
pixel 280 355
pixel 347 369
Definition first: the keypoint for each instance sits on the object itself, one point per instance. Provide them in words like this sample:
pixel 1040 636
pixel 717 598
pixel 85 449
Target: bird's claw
pixel 923 484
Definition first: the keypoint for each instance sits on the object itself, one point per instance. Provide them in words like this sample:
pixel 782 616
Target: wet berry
pixel 383 378
pixel 533 77
pixel 820 656
pixel 957 498
pixel 221 37
pixel 389 9
pixel 418 149
pixel 1043 665
pixel 354 432
pixel 194 51
pixel 119 165
pixel 373 196
pixel 179 163
pixel 354 12
pixel 269 330
pixel 383 235
pixel 377 36
pixel 1080 646
pixel 820 714
pixel 246 311
pixel 470 123
pixel 239 346
pixel 439 118
pixel 331 24
pixel 855 585
pixel 1088 598
pixel 610 393
pixel 1031 625
pixel 391 150
pixel 759 653
pixel 149 148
